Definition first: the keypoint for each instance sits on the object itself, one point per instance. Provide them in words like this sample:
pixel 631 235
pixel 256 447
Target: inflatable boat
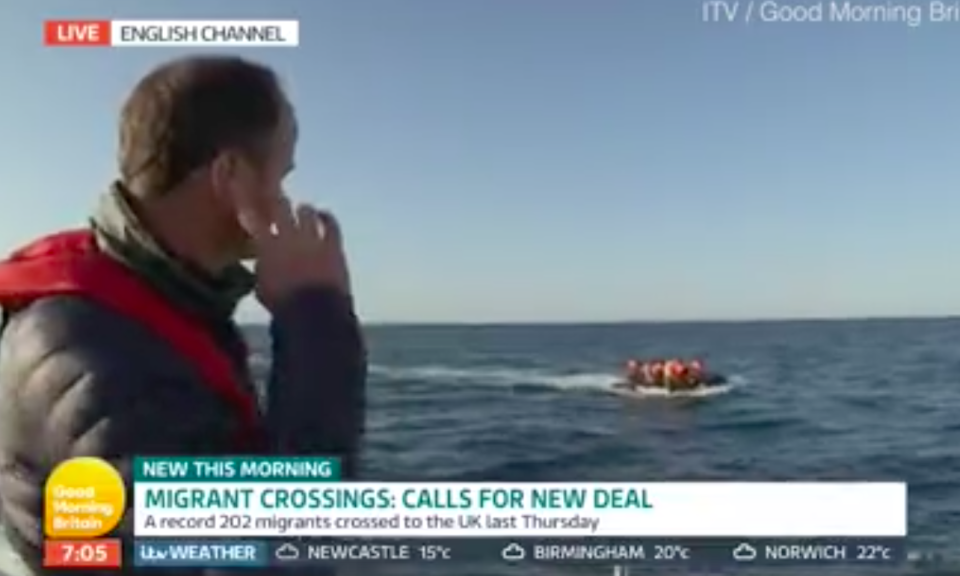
pixel 709 380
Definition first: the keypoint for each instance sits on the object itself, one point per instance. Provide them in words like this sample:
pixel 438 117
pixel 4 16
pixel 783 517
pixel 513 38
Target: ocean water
pixel 843 400
pixel 818 400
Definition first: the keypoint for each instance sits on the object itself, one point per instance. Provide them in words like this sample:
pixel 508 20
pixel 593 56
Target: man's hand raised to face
pixel 301 248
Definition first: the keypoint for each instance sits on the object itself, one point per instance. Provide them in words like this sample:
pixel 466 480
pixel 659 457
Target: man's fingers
pixel 283 217
pixel 331 227
pixel 307 222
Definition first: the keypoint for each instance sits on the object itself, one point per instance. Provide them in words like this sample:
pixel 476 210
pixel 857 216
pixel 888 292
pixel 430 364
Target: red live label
pixel 106 553
pixel 76 33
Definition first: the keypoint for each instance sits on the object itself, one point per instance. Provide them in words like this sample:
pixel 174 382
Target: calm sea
pixel 874 400
pixel 844 400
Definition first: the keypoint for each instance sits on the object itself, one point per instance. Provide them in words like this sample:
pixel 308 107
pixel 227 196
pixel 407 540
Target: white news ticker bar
pixel 203 33
pixel 679 509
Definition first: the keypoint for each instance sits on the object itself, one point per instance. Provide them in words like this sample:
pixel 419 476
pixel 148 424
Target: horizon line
pixel 559 323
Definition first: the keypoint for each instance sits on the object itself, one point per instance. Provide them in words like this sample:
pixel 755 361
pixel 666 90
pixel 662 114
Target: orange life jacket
pixel 676 369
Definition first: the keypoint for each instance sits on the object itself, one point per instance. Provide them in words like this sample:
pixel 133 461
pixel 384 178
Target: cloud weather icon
pixel 513 553
pixel 744 553
pixel 287 552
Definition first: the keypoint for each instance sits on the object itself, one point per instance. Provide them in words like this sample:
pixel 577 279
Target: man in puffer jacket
pixel 118 340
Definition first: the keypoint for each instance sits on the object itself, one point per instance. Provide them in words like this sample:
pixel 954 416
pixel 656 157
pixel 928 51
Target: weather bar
pixel 712 552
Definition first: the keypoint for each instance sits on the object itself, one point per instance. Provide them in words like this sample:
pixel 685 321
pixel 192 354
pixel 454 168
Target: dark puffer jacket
pixel 79 379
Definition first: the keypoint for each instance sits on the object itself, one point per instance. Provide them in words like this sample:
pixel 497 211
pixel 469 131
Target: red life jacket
pixel 70 263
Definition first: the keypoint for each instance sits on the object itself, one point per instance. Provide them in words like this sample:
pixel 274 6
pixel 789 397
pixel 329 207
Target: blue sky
pixel 557 159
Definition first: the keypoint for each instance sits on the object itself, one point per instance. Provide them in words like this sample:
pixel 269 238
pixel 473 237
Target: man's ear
pixel 224 172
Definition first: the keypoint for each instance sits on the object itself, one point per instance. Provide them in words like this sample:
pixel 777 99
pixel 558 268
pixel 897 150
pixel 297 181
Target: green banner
pixel 236 469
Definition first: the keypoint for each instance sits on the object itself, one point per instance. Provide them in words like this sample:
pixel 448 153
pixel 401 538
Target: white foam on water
pixel 733 382
pixel 601 381
pixel 664 393
pixel 495 376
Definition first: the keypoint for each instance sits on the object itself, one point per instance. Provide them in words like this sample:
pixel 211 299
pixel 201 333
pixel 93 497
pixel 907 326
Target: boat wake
pixel 450 375
pixel 512 377
pixel 704 392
